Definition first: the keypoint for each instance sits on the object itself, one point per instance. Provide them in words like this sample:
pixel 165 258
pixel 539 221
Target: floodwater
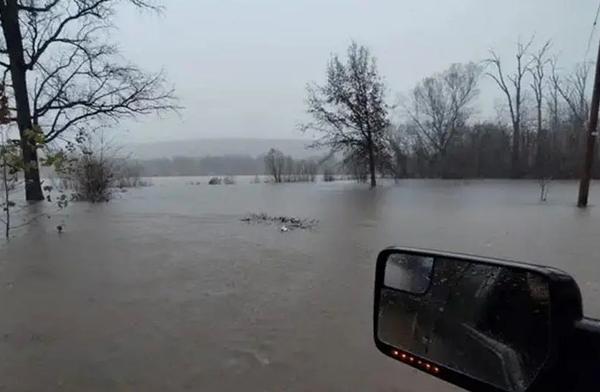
pixel 165 289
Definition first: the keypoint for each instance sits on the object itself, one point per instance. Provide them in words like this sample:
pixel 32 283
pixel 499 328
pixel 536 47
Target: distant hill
pixel 297 148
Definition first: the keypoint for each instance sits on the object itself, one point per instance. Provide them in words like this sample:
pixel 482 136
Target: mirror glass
pixel 490 322
pixel 408 272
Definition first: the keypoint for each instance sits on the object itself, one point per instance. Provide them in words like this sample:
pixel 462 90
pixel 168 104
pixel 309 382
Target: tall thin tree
pixel 511 86
pixel 539 64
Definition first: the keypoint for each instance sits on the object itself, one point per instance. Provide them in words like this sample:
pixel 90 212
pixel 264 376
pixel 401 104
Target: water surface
pixel 165 289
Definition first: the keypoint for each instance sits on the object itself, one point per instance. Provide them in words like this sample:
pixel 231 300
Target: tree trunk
pixel 515 161
pixel 540 142
pixel 371 162
pixel 9 16
pixel 7 200
pixel 403 166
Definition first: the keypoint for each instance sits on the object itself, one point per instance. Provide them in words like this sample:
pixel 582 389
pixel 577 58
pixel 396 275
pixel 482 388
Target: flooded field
pixel 165 288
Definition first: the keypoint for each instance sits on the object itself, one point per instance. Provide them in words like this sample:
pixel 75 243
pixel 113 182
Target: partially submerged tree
pixel 544 183
pixel 440 106
pixel 274 164
pixel 66 77
pixel 511 85
pixel 349 110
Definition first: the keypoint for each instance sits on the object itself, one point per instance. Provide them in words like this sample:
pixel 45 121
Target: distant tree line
pixel 538 133
pixel 202 166
pixel 283 168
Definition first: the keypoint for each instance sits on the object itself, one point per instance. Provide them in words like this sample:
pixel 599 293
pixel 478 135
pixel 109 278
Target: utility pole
pixel 586 174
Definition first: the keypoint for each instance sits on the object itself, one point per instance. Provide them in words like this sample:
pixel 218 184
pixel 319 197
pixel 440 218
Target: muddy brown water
pixel 165 289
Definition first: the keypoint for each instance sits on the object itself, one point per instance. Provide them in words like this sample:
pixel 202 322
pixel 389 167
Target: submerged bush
pixel 91 179
pixel 228 180
pixel 94 168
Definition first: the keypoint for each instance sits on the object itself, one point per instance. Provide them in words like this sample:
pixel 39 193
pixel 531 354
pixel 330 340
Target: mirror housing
pixel 408 291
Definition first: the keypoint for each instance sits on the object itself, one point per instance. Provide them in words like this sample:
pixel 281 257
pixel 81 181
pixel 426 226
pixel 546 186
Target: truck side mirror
pixel 482 324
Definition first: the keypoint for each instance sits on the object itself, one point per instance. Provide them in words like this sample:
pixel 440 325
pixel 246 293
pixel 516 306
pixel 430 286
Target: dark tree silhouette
pixel 349 110
pixel 66 77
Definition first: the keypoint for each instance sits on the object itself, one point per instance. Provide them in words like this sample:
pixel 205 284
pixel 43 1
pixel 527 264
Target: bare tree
pixel 64 75
pixel 554 106
pixel 511 86
pixel 574 90
pixel 570 94
pixel 349 111
pixel 440 105
pixel 539 63
pixel 274 164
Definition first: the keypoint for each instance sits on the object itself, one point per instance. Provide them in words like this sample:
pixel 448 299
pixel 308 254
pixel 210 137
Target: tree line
pixel 539 132
pixel 202 166
pixel 274 163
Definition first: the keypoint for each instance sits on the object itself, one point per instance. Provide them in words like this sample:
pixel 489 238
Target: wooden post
pixel 586 173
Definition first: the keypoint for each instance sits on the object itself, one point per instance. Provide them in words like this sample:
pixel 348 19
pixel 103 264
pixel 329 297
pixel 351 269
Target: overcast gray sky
pixel 240 66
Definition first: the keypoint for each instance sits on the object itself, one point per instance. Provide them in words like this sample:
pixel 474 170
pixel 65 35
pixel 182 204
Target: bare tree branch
pixel 573 90
pixel 76 78
pixel 30 7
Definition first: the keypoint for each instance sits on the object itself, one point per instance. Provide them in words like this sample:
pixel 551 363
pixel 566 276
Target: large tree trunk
pixel 372 162
pixel 9 16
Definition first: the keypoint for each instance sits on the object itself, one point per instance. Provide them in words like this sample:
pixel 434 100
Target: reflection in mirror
pixel 408 272
pixel 489 322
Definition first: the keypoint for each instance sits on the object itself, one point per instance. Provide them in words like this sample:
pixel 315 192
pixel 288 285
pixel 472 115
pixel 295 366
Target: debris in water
pixel 287 222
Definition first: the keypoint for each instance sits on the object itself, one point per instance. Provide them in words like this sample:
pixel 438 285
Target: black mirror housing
pixel 426 276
